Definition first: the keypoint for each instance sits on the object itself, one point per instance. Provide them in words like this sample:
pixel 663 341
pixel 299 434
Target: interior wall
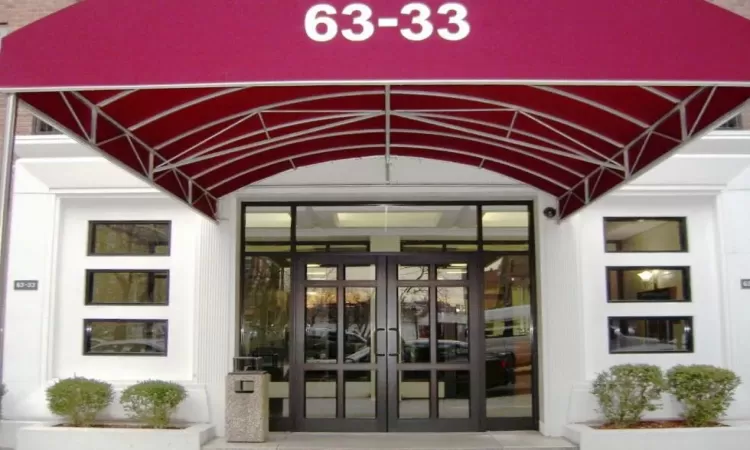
pixel 663 236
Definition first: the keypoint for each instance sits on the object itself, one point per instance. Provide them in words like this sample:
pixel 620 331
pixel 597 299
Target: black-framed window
pixel 648 284
pixel 645 234
pixel 131 337
pixel 127 287
pixel 650 334
pixel 735 123
pixel 419 246
pixel 129 238
pixel 261 247
pixel 38 126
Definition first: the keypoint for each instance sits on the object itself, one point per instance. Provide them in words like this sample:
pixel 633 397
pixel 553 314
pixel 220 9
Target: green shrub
pixel 625 392
pixel 704 391
pixel 153 402
pixel 79 399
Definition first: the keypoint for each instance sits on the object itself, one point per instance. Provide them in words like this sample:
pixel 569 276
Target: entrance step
pixel 512 440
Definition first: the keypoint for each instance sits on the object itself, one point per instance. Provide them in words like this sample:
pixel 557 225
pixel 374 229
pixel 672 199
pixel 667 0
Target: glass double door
pixel 386 343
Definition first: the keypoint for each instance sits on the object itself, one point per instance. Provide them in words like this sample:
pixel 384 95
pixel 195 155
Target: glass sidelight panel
pixel 414 324
pixel 264 322
pixel 454 394
pixel 320 394
pixel 360 390
pixel 414 394
pixel 359 319
pixel 507 329
pixel 453 324
pixel 321 325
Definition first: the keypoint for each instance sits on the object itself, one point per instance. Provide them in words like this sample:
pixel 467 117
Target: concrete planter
pixel 45 437
pixel 734 437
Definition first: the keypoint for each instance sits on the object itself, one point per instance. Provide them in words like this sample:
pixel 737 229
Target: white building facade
pixel 62 188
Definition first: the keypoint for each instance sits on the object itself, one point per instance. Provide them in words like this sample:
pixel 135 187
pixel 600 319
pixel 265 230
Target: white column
pixel 734 221
pixel 6 195
pixel 559 316
pixel 215 314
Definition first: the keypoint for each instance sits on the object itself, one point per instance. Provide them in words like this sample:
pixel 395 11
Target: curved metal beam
pixel 562 153
pixel 519 108
pixel 358 116
pixel 437 94
pixel 109 100
pixel 265 108
pixel 593 104
pixel 380 146
pixel 662 94
pixel 372 131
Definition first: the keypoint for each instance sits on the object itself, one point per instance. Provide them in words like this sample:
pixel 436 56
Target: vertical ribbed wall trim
pixel 215 307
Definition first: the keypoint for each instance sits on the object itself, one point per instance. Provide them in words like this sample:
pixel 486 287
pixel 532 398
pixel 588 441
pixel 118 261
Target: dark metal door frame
pixel 476 344
pixel 385 326
pixel 341 367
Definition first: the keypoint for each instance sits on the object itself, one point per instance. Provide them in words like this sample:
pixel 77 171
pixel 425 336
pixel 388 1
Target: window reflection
pixel 129 238
pixel 507 329
pixel 267 229
pixel 127 287
pixel 321 325
pixel 414 324
pixel 453 324
pixel 359 320
pixel 645 234
pixel 265 322
pixel 126 337
pixel 650 334
pixel 648 284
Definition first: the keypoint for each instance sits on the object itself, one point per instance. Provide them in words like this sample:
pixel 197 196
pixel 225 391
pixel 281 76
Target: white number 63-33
pixel 321 26
pixel 458 19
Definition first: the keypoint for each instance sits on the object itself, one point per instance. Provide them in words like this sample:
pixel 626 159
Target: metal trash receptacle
pixel 247 405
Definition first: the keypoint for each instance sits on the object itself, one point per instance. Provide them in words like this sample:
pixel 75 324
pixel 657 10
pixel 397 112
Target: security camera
pixel 550 213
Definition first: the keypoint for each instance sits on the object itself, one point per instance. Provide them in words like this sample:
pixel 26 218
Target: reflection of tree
pixel 413 300
pixel 265 303
pixel 320 303
pixel 132 238
pixel 129 287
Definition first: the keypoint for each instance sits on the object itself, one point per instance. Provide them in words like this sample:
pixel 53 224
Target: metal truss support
pixel 632 153
pixel 147 166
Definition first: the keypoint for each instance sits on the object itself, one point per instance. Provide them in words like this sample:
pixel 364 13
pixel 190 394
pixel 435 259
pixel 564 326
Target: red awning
pixel 202 97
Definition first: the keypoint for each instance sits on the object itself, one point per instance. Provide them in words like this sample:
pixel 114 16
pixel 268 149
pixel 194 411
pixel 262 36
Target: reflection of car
pixel 499 366
pixel 632 342
pixel 129 346
pixel 322 344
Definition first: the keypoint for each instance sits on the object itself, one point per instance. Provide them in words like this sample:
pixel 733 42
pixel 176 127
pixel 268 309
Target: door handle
pixel 398 343
pixel 378 330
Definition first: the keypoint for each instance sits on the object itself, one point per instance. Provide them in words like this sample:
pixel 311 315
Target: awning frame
pixel 157 166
